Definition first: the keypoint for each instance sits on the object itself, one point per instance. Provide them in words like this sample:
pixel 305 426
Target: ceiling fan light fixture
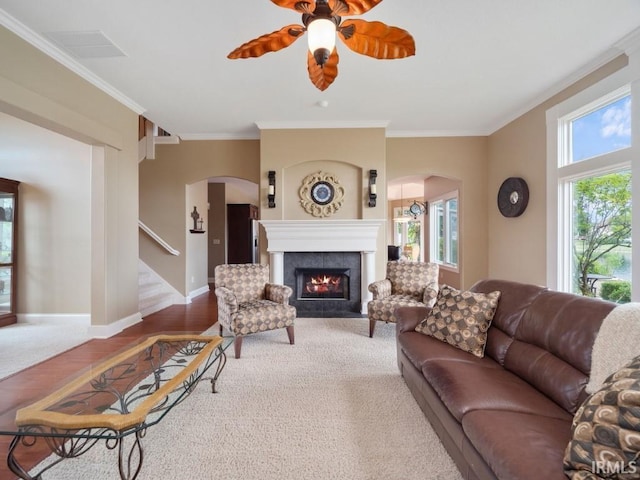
pixel 322 21
pixel 321 34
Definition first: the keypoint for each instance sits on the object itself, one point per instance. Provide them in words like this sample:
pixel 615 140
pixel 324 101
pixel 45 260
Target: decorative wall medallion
pixel 513 197
pixel 321 194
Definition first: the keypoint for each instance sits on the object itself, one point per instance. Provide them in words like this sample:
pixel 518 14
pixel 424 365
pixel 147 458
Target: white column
pixel 276 267
pixel 368 276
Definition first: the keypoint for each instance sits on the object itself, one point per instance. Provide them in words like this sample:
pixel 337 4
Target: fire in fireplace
pixel 322 283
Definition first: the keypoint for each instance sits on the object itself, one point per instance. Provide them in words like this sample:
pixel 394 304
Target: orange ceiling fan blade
pixel 376 39
pixel 322 77
pixel 352 7
pixel 305 6
pixel 271 42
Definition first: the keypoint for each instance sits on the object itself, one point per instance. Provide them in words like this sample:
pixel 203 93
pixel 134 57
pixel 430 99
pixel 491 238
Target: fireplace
pixel 353 242
pixel 322 283
pixel 325 284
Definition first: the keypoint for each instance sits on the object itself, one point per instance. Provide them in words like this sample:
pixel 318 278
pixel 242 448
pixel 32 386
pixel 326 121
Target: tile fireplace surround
pixel 324 236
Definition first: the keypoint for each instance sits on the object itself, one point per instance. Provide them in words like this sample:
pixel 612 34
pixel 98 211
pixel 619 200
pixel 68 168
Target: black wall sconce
pixel 373 192
pixel 271 195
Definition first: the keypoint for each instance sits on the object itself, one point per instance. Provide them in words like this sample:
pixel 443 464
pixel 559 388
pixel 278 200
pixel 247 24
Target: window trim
pixel 434 237
pixel 560 174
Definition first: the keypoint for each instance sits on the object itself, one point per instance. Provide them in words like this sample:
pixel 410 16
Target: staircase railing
pixel 158 239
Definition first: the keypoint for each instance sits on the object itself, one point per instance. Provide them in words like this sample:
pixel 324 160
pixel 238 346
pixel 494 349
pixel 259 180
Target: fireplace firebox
pixel 322 283
pixel 330 298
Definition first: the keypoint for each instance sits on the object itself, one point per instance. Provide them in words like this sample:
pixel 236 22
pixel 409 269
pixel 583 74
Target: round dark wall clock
pixel 322 193
pixel 513 197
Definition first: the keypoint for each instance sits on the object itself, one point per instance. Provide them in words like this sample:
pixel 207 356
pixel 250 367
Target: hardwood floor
pixel 37 381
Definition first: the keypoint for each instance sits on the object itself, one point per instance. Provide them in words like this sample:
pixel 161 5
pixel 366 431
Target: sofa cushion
pixel 552 346
pixel 461 318
pixel 420 349
pixel 514 301
pixel 606 429
pixel 518 445
pixel 465 387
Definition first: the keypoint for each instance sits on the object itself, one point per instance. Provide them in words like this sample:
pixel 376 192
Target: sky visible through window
pixel 605 130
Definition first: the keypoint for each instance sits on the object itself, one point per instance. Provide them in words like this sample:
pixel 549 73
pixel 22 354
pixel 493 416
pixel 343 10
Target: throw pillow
pixel 605 435
pixel 461 318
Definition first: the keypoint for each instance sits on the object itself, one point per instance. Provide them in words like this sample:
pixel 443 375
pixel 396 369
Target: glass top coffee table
pixel 117 399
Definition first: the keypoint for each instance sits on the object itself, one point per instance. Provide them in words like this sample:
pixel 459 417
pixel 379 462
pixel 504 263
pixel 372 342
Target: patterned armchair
pixel 248 303
pixel 407 284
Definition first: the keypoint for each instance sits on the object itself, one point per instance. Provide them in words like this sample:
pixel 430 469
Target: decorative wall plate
pixel 513 197
pixel 321 194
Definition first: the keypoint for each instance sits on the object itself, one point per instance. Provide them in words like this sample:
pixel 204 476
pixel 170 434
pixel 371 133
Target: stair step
pixel 155 303
pixel 148 290
pixel 153 293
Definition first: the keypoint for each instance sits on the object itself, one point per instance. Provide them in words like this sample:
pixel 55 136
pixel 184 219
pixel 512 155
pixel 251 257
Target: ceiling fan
pixel 322 19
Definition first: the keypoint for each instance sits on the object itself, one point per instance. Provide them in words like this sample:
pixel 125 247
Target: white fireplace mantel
pixel 324 236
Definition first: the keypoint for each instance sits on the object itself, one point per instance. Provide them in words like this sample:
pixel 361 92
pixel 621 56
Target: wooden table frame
pixel 119 397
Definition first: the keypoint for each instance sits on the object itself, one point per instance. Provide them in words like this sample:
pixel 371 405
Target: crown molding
pixel 297 125
pixel 389 133
pixel 45 46
pixel 630 43
pixel 185 137
pixel 436 133
pixel 566 82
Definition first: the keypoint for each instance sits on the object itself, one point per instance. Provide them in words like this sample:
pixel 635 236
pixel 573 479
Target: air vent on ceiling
pixel 86 44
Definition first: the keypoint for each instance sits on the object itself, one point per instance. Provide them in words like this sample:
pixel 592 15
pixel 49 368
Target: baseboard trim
pixel 106 331
pixel 198 292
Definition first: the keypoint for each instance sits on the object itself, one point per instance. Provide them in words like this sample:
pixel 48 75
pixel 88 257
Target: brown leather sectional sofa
pixel 508 415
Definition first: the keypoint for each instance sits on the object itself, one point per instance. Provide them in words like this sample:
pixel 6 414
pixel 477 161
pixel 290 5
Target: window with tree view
pixel 602 233
pixel 594 202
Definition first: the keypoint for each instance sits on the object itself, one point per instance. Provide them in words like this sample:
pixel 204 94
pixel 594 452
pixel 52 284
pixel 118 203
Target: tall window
pixel 443 238
pixel 592 174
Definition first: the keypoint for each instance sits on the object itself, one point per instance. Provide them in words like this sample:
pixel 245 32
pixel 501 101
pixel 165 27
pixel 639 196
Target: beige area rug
pixel 25 344
pixel 332 406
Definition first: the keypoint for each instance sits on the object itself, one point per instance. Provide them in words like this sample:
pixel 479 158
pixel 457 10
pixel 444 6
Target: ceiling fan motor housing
pixel 322 12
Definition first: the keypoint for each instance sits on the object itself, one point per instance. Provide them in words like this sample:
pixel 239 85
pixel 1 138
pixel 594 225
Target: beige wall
pixel 163 184
pixel 35 88
pixel 490 245
pixel 54 245
pixel 460 158
pixel 217 228
pixel 348 153
pixel 519 149
pixel 196 275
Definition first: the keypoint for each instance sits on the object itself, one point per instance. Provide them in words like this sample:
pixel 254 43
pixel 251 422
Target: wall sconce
pixel 373 193
pixel 271 195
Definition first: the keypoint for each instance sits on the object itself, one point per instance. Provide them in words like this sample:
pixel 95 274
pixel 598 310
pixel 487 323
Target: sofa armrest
pixel 278 293
pixel 380 288
pixel 408 318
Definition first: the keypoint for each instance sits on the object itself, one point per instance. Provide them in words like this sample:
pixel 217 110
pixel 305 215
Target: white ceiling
pixel 479 63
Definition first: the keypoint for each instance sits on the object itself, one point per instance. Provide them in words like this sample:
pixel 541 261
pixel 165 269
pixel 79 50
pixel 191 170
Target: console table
pixel 118 398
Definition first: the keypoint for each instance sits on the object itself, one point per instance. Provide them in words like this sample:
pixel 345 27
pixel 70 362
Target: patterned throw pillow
pixel 461 319
pixel 605 435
